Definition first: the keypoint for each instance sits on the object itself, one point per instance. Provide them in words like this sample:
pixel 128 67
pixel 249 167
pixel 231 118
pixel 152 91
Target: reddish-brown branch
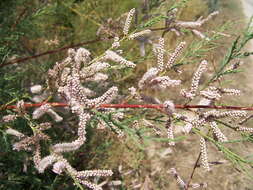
pixel 150 106
pixel 20 60
pixel 193 170
pixel 19 18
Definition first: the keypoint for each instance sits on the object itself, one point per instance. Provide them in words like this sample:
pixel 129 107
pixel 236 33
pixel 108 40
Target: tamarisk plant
pixel 70 80
pixel 67 78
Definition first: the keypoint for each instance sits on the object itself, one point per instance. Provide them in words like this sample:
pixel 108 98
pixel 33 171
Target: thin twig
pixel 194 168
pixel 225 124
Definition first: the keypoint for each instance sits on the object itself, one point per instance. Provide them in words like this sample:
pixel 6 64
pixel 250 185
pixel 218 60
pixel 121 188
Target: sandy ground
pixel 247 8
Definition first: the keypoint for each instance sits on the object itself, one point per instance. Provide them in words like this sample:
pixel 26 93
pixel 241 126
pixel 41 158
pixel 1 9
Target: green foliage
pixel 234 53
pixel 16 23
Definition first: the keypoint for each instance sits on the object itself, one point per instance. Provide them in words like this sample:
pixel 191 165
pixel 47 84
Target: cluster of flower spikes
pixel 25 142
pixel 194 26
pixel 154 78
pixel 208 120
pixel 67 79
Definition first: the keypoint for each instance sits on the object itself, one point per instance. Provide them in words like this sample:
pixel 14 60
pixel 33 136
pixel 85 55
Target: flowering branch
pixel 149 106
pixel 23 59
